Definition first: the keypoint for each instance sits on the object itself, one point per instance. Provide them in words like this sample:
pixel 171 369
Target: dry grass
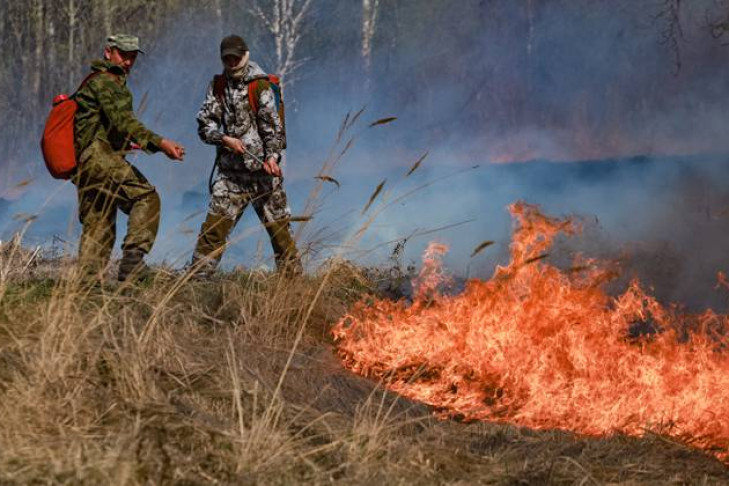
pixel 177 382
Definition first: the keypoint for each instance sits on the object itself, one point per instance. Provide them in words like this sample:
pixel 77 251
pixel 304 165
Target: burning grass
pixel 544 348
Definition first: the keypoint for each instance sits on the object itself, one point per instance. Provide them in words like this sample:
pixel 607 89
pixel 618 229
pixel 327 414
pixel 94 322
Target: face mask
pixel 239 70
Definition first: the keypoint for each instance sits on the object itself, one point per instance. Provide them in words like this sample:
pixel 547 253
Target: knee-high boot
pixel 284 247
pixel 211 242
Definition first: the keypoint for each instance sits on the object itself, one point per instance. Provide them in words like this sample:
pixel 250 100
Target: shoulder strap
pixel 255 86
pixel 253 94
pixel 219 87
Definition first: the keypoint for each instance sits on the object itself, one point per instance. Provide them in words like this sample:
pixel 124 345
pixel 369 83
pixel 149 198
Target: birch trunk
pixel 219 16
pixel 106 16
pixel 369 21
pixel 39 34
pixel 52 80
pixel 72 19
pixel 284 19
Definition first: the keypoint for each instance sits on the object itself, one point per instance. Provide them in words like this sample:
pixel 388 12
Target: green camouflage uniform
pixel 105 126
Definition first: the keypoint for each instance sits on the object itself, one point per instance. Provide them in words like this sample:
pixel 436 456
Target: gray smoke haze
pixel 578 97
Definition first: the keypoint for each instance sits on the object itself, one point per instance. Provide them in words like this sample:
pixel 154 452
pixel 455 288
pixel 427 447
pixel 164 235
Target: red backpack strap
pixel 253 94
pixel 219 87
pixel 255 87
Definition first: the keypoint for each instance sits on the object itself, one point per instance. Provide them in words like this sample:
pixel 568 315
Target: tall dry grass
pixel 157 383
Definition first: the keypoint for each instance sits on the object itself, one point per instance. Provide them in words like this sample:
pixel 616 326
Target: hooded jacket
pixel 106 112
pixel 259 132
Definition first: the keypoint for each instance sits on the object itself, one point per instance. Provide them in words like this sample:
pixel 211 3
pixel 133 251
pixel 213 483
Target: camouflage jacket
pixel 260 132
pixel 105 112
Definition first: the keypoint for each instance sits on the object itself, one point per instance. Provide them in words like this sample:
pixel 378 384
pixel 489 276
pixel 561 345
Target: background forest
pixel 472 83
pixel 492 66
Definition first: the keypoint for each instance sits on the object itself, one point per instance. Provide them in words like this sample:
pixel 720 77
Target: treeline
pixel 47 44
pixel 470 62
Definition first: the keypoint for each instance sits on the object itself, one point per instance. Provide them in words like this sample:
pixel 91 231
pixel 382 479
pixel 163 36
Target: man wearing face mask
pixel 249 142
pixel 105 130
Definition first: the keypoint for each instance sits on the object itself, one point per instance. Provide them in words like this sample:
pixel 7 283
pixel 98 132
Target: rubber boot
pixel 210 245
pixel 284 248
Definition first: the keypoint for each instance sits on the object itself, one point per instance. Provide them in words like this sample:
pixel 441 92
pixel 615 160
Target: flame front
pixel 545 348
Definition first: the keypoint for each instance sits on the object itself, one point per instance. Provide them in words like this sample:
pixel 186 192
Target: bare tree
pixel 717 19
pixel 39 37
pixel 369 22
pixel 284 19
pixel 107 12
pixel 50 43
pixel 668 19
pixel 218 8
pixel 72 16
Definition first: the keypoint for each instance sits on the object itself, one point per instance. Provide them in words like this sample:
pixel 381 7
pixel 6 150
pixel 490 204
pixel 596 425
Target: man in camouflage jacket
pixel 249 147
pixel 105 129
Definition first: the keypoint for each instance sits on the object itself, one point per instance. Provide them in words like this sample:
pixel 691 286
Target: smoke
pixel 582 83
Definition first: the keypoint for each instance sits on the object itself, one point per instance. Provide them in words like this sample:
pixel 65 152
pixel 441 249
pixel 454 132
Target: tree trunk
pixel 50 54
pixel 39 71
pixel 72 14
pixel 219 16
pixel 284 19
pixel 369 20
pixel 529 45
pixel 106 15
pixel 278 8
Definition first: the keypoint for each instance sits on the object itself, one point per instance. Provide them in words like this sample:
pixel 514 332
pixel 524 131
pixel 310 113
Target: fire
pixel 545 348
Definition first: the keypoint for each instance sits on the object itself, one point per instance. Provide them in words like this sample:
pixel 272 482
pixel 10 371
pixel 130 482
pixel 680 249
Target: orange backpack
pixel 57 143
pixel 254 92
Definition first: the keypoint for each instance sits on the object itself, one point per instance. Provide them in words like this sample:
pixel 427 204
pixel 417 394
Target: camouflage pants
pixel 106 182
pixel 232 192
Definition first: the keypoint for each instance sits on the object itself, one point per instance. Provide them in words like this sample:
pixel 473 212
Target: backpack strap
pixel 219 87
pixel 260 83
pixel 254 92
pixel 255 86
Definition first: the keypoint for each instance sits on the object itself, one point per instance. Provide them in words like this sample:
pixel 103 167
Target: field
pixel 236 381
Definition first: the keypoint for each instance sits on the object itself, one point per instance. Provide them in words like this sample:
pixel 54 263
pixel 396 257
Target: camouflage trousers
pixel 232 192
pixel 106 182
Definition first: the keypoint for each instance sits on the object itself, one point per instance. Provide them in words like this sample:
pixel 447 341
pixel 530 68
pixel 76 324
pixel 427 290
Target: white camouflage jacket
pixel 234 117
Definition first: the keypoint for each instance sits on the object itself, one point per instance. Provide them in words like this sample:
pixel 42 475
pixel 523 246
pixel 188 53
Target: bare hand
pixel 234 144
pixel 271 167
pixel 171 149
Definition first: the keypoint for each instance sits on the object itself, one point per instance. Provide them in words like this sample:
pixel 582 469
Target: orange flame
pixel 545 348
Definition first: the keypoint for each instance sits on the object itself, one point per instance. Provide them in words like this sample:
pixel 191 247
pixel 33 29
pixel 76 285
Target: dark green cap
pixel 124 42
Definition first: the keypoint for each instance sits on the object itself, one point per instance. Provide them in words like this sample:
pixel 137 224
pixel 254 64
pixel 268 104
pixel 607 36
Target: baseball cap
pixel 233 45
pixel 124 42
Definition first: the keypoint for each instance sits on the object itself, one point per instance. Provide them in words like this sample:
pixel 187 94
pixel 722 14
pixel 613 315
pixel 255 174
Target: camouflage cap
pixel 124 42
